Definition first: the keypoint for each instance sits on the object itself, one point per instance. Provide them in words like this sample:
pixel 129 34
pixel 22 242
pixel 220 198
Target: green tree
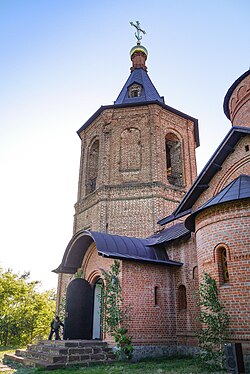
pixel 25 313
pixel 214 321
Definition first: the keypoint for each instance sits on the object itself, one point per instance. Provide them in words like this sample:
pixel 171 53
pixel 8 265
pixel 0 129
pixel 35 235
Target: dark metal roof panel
pixel 113 246
pixel 238 189
pixel 170 234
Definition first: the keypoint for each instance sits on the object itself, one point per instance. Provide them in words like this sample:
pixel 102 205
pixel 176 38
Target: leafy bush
pixel 214 321
pixel 25 313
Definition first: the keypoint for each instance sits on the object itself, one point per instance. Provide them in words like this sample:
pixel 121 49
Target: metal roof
pixel 111 246
pixel 238 189
pixel 201 183
pixel 149 92
pixel 178 231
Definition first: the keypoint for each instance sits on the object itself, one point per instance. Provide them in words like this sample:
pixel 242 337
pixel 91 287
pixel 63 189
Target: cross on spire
pixel 138 31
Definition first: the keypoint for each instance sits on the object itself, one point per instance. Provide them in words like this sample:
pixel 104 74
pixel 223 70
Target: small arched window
pixel 224 265
pixel 221 253
pixel 92 167
pixel 174 160
pixel 182 297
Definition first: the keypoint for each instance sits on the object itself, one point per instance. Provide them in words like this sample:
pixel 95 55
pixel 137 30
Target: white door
pixel 97 311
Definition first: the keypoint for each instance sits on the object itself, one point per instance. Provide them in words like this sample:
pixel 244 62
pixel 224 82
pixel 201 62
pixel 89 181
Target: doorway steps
pixel 56 354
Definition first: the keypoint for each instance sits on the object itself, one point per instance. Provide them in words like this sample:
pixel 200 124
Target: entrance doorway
pixel 78 311
pixel 97 318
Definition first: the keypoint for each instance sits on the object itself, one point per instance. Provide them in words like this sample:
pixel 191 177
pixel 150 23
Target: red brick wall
pixel 239 104
pixel 164 323
pixel 149 323
pixel 132 190
pixel 187 275
pixel 228 224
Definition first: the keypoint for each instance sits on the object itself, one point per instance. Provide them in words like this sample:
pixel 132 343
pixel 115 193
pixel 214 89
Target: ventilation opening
pixel 135 90
pixel 156 296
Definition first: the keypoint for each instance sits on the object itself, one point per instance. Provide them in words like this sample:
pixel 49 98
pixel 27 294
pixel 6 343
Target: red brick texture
pixel 239 104
pixel 132 175
pixel 154 320
pixel 227 226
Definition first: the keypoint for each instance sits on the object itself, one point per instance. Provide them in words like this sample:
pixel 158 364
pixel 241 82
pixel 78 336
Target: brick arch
pixel 195 272
pixel 94 276
pixel 96 273
pixel 232 104
pixel 92 165
pixel 217 249
pixel 227 177
pixel 130 149
pixel 241 92
pixel 174 158
pixel 87 257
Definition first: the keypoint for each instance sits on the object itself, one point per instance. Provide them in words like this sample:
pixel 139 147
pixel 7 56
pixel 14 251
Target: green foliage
pixel 173 365
pixel 78 273
pixel 113 318
pixel 123 343
pixel 213 319
pixel 25 313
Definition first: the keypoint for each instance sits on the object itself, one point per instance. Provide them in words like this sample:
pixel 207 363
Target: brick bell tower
pixel 137 158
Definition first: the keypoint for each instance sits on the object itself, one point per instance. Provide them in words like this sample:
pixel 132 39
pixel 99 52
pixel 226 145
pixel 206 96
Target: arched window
pixel 182 297
pixel 195 272
pixel 92 167
pixel 174 160
pixel 224 267
pixel 221 253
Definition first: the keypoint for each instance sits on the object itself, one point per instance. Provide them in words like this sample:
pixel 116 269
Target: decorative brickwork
pixel 239 104
pixel 132 175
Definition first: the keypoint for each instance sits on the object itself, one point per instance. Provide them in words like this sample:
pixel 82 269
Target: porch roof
pixel 112 246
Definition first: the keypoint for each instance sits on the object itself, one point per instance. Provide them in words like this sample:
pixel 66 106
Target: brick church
pixel 140 201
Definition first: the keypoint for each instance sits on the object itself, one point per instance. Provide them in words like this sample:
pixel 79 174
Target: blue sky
pixel 60 61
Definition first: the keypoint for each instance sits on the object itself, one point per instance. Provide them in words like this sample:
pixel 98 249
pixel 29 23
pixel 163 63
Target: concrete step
pixel 59 354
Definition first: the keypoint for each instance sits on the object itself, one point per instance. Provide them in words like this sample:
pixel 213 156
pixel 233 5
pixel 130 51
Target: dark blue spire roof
pixel 149 92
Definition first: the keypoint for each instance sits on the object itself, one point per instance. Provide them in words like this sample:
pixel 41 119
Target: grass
pixel 174 365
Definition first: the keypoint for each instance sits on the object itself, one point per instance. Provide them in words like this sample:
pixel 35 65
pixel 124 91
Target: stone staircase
pixel 56 354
